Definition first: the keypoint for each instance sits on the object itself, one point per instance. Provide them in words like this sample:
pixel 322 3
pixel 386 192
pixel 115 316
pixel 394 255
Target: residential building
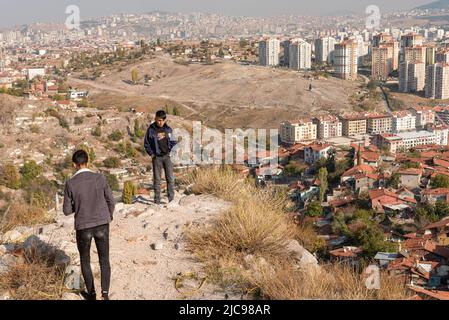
pixel 423 115
pixel 35 72
pixel 430 55
pixel 353 124
pixel 316 151
pixel 328 127
pixel 286 46
pixel 415 54
pixel 324 50
pixel 410 178
pixel 403 121
pixel 390 142
pixel 299 131
pixel 382 62
pixel 378 123
pixel 300 55
pixel 412 76
pixel 437 81
pixel 411 40
pixel 269 51
pixel 346 60
pixel 442 56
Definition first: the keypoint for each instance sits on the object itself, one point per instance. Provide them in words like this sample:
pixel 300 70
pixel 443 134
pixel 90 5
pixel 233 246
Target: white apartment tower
pixel 412 76
pixel 300 55
pixel 269 52
pixel 437 81
pixel 324 50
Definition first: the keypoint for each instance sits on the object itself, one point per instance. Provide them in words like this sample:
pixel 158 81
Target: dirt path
pixel 139 271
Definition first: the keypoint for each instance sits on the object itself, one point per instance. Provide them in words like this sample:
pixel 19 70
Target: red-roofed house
pixel 434 195
pixel 316 151
pixel 380 198
pixel 348 255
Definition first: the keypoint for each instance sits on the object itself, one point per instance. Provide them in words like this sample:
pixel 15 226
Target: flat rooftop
pixel 415 134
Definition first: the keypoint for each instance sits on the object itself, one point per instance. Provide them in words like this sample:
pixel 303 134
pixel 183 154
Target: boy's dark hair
pixel 80 157
pixel 161 114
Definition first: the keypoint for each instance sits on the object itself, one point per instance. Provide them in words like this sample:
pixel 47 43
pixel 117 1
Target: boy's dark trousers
pixel 159 163
pixel 84 239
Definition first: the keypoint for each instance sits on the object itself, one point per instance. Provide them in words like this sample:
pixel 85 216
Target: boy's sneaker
pixel 88 296
pixel 105 296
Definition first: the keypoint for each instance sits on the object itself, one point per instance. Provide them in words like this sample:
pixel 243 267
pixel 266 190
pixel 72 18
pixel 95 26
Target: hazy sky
pixel 16 12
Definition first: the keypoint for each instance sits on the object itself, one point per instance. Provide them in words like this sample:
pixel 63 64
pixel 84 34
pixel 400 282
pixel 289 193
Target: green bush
pixel 314 209
pixel 117 135
pixel 10 177
pixel 79 120
pixel 440 181
pixel 113 182
pixel 112 162
pixel 30 171
pixel 97 132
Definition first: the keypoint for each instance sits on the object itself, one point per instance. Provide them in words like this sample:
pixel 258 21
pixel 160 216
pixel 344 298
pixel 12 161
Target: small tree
pixel 314 209
pixel 10 176
pixel 322 176
pixel 129 191
pixel 176 111
pixel 138 132
pixel 134 75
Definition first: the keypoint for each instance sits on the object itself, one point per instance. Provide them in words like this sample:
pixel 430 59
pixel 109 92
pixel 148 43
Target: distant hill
pixel 440 4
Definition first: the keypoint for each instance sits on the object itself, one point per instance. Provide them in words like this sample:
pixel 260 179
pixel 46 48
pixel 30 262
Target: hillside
pixel 214 94
pixel 440 4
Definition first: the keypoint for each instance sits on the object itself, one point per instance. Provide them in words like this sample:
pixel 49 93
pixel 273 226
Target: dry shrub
pixel 258 224
pixel 37 279
pixel 21 214
pixel 333 282
pixel 247 228
pixel 222 183
pixel 255 224
pixel 308 238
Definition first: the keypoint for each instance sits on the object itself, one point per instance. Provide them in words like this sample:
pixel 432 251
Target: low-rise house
pixel 410 178
pixel 385 258
pixel 433 195
pixel 349 255
pixel 382 197
pixel 362 176
pixel 316 151
pixel 439 231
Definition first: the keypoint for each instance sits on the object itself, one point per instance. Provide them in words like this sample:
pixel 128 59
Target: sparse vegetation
pixel 257 224
pixel 112 162
pixel 129 191
pixel 116 135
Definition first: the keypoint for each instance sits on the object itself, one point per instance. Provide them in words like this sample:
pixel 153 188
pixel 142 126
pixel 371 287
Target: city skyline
pixel 54 11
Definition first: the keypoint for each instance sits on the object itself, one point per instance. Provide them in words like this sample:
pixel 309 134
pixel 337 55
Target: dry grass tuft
pixel 253 225
pixel 37 279
pixel 258 224
pixel 333 282
pixel 21 214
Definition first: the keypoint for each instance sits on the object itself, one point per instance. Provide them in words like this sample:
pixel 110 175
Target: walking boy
pixel 88 195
